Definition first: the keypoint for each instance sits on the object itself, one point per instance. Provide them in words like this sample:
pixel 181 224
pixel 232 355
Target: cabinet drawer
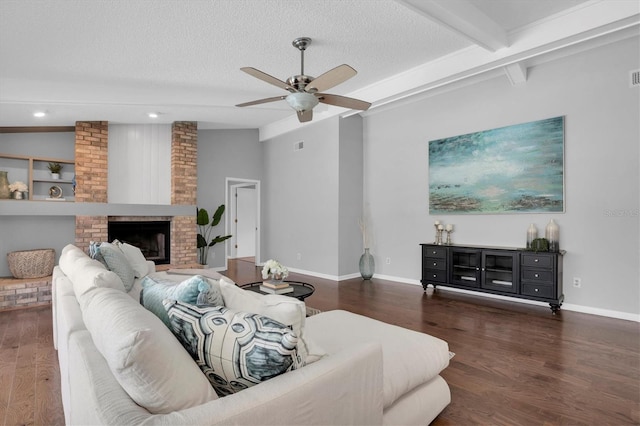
pixel 437 275
pixel 433 251
pixel 538 275
pixel 537 260
pixel 538 290
pixel 435 263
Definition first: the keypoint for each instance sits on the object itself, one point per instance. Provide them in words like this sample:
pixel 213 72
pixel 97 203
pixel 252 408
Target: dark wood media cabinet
pixel 505 271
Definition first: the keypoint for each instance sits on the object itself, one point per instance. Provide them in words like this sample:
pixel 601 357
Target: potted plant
pixel 18 190
pixel 55 168
pixel 204 231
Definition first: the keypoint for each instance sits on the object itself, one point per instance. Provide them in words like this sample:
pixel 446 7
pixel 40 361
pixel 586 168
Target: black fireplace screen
pixel 152 238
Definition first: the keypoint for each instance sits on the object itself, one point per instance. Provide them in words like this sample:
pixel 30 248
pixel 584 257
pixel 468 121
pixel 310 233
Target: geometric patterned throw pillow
pixel 235 350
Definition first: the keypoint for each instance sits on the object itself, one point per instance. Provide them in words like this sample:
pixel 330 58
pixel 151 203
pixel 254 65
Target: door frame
pixel 228 196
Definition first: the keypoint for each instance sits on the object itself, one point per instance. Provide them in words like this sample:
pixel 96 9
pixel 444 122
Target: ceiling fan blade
pixel 331 78
pixel 305 116
pixel 267 78
pixel 262 101
pixel 343 101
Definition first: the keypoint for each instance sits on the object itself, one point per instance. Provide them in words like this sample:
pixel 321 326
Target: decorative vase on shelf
pixel 4 185
pixel 367 265
pixel 532 234
pixel 55 176
pixel 551 233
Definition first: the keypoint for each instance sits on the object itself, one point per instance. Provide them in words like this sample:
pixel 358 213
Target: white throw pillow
pixel 143 355
pixel 136 259
pixel 284 309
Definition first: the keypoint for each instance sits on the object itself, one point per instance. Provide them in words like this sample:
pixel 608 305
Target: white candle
pixel 437 222
pixel 440 227
pixel 449 227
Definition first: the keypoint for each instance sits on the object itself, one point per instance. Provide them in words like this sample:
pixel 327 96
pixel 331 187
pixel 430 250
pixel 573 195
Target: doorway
pixel 243 221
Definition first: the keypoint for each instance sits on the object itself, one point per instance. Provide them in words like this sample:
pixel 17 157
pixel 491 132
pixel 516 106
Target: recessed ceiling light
pixel 39 114
pixel 153 115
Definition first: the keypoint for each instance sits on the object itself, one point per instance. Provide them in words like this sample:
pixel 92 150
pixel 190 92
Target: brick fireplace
pixel 91 152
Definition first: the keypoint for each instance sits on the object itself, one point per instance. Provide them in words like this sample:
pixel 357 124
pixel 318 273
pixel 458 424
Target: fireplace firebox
pixel 151 237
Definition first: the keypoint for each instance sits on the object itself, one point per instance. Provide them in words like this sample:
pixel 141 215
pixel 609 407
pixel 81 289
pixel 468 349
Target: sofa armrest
pixel 344 388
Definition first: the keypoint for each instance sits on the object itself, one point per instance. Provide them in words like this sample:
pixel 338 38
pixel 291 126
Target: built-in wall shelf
pixel 61 208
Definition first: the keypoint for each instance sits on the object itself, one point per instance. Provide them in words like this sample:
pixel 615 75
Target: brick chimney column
pixel 184 181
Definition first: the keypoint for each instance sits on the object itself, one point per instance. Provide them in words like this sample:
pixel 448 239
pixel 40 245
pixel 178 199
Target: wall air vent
pixel 634 78
pixel 297 146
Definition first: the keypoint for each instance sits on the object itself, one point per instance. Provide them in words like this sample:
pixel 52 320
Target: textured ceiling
pixel 116 60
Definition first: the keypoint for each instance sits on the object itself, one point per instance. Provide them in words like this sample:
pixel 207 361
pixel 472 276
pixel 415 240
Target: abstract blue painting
pixel 513 169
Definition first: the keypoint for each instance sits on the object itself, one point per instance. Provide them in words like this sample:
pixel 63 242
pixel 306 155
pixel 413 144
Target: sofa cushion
pixel 118 263
pixel 143 355
pixel 234 349
pixel 284 309
pixel 86 273
pixel 154 291
pixel 409 358
pixel 136 259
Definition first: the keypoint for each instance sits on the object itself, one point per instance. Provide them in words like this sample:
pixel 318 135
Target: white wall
pixel 139 164
pixel 600 228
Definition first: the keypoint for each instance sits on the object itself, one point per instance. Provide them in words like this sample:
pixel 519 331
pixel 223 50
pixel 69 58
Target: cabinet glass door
pixel 500 271
pixel 465 267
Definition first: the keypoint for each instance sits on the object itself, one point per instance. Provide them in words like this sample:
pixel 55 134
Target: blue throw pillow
pixel 94 253
pixel 154 291
pixel 235 350
pixel 118 263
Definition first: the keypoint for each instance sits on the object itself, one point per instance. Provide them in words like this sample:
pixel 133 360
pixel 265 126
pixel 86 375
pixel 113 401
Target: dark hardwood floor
pixel 515 364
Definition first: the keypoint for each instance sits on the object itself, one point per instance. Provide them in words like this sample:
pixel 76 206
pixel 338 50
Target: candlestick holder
pixel 449 231
pixel 438 239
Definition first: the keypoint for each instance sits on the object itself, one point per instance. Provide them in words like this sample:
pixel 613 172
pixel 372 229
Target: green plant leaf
pixel 217 216
pixel 202 217
pixel 219 239
pixel 201 241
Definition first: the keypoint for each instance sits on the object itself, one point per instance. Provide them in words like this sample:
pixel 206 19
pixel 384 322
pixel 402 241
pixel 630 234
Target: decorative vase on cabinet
pixel 4 185
pixel 367 265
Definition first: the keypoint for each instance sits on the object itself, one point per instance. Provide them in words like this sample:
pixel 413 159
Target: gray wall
pixel 599 229
pixel 24 232
pixel 300 198
pixel 350 195
pixel 223 154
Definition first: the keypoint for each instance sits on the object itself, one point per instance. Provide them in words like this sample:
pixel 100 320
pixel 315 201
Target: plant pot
pixel 55 176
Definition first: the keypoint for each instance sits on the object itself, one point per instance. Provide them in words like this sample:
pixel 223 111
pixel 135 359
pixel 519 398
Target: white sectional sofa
pixel 120 364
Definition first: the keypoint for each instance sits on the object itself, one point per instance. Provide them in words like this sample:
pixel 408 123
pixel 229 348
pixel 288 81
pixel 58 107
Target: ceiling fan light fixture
pixel 302 101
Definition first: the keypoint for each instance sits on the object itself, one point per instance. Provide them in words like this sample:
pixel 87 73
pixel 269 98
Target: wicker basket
pixel 31 263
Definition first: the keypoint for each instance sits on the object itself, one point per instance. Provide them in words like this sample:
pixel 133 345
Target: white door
pixel 245 221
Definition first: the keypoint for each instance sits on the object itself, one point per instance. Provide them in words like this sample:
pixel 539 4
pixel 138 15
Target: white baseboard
pixel 566 306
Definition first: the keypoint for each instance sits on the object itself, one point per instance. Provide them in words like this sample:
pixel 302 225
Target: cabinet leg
pixel 554 308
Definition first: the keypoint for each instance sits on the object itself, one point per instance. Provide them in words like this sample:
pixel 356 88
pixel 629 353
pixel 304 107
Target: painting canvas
pixel 513 169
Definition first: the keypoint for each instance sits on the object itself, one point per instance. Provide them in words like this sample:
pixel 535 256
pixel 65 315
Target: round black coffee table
pixel 300 290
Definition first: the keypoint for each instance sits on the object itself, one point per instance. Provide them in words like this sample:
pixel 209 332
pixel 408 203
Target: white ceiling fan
pixel 306 91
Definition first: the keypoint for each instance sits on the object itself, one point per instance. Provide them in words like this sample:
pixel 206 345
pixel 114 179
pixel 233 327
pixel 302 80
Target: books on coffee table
pixel 281 288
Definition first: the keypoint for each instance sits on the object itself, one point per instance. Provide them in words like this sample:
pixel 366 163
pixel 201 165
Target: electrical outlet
pixel 299 256
pixel 577 282
pixel 388 261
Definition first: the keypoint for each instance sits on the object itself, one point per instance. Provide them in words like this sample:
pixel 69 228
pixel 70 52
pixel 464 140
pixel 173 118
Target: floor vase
pixel 367 265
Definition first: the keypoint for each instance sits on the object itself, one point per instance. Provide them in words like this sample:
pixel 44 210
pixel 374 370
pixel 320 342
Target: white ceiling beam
pixel 464 18
pixel 517 73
